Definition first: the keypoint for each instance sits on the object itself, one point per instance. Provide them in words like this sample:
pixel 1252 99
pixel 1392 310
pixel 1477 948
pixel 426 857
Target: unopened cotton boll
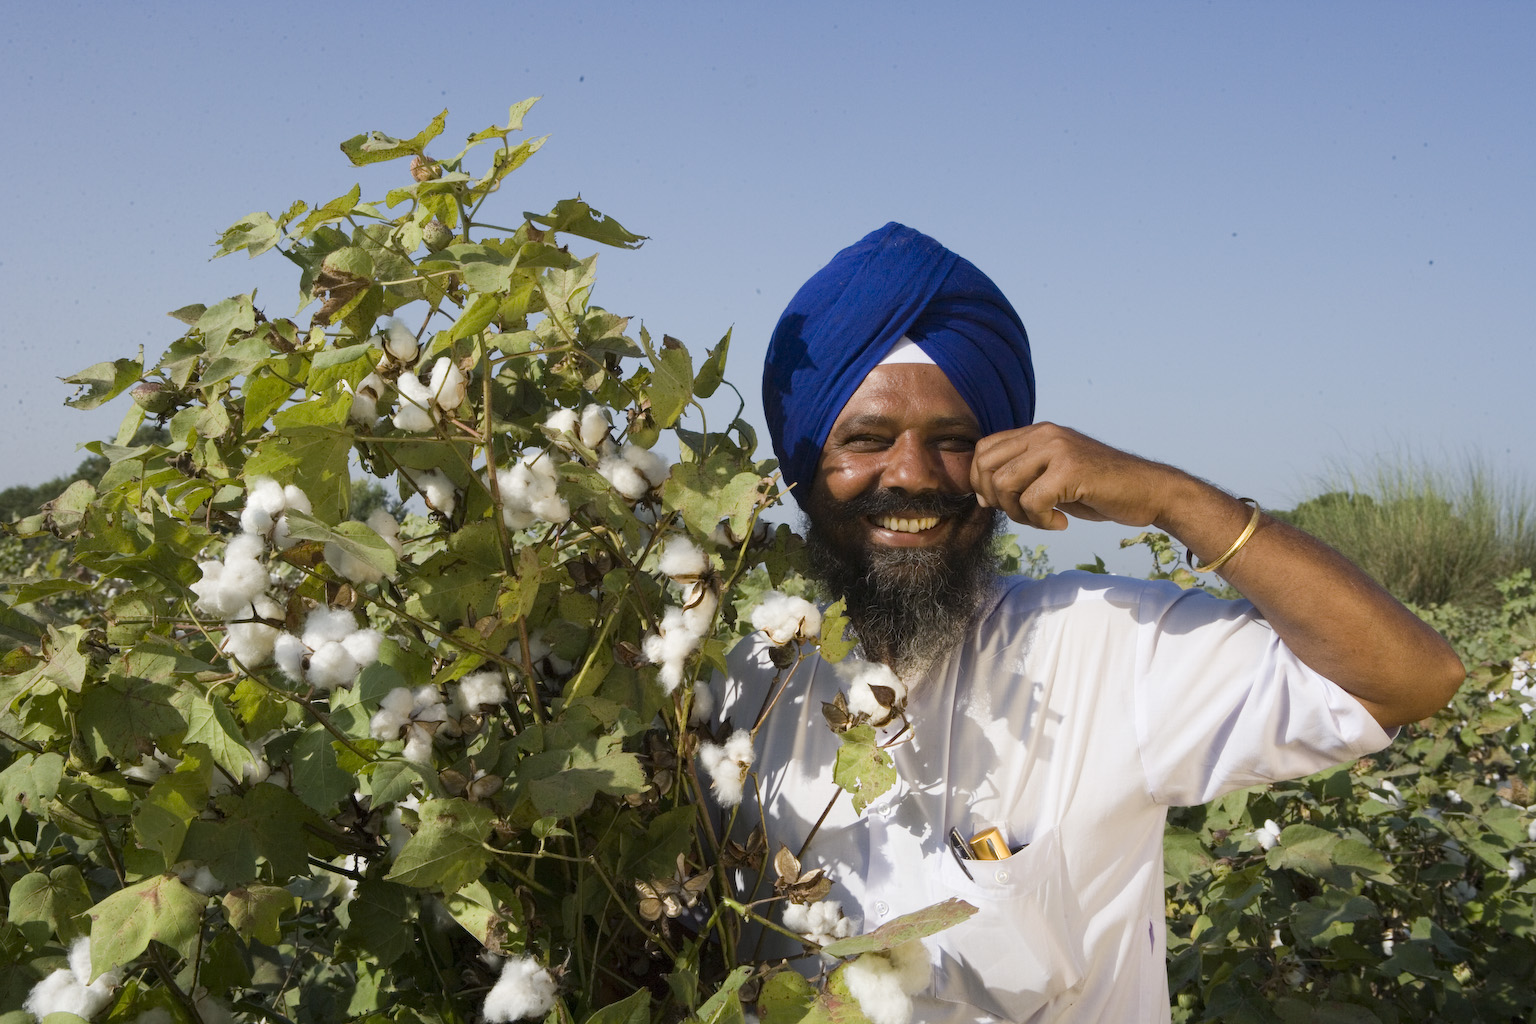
pixel 71 990
pixel 416 414
pixel 785 618
pixel 448 385
pixel 524 989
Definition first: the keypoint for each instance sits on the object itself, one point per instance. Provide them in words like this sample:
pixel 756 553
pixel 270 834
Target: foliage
pixel 1429 537
pixel 1397 889
pixel 282 763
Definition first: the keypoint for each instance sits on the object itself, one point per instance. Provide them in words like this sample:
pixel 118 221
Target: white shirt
pixel 1083 706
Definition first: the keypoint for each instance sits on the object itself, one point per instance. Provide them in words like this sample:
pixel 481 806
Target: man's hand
pixel 1330 613
pixel 1037 473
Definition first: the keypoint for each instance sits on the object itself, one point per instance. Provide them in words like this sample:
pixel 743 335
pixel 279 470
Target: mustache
pixel 884 501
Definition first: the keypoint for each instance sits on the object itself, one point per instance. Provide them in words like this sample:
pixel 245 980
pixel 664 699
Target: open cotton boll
pixel 524 989
pixel 296 499
pixel 821 923
pixel 681 559
pixel 670 646
pixel 914 969
pixel 328 624
pixel 264 502
pixel 439 491
pixel 703 704
pixel 859 675
pixel 699 604
pixel 727 766
pixel 481 690
pixel 388 527
pixel 399 343
pixel 416 414
pixel 250 642
pixel 647 463
pixel 365 400
pixel 625 479
pixel 872 981
pixel 71 990
pixel 562 421
pixel 785 618
pixel 364 646
pixel 448 385
pixel 289 653
pixel 393 715
pixel 331 666
pixel 594 425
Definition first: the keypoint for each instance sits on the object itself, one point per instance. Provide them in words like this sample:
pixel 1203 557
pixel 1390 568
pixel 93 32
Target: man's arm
pixel 1336 619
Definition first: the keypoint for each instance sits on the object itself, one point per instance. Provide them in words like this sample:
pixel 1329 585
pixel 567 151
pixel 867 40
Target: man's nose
pixel 912 467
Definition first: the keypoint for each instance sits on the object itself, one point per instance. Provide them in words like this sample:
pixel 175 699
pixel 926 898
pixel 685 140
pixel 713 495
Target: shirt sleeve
pixel 1222 703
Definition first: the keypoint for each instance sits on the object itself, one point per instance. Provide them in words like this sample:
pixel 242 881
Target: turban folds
pixel 892 283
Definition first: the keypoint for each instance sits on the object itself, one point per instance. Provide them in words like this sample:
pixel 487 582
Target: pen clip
pixel 962 851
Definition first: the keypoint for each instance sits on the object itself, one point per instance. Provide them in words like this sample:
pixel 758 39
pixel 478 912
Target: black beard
pixel 909 606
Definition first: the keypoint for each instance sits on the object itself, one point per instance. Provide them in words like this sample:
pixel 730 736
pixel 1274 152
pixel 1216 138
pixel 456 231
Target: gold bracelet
pixel 1242 538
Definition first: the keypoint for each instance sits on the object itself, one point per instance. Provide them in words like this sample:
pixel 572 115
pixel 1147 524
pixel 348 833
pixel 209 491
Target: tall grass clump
pixel 1430 536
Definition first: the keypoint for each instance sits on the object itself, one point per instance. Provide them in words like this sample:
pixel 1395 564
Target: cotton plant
pixel 784 618
pixel 590 426
pixel 524 989
pixel 267 504
pixel 873 690
pixel 633 471
pixel 416 715
pixel 530 492
pixel 820 923
pixel 422 405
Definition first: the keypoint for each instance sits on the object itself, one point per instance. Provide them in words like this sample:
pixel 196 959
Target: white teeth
pixel 899 525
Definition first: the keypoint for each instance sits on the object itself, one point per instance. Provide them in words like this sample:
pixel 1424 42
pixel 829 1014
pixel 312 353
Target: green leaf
pixel 213 725
pixel 333 365
pixel 29 784
pixel 917 925
pixel 575 217
pixel 634 1008
pixel 474 319
pixel 492 913
pixel 1305 848
pixel 724 1007
pixel 356 539
pixel 324 410
pixel 159 908
pixel 862 768
pixel 1184 855
pixel 161 818
pixel 256 232
pixel 267 822
pixel 1321 918
pixel 263 394
pixel 314 458
pixel 784 998
pixel 514 122
pixel 102 382
pixel 834 646
pixel 382 921
pixel 255 912
pixel 52 906
pixel 717 489
pixel 671 382
pixel 117 716
pixel 373 147
pixel 447 851
pixel 712 373
pixel 219 322
pixel 316 778
pixel 336 209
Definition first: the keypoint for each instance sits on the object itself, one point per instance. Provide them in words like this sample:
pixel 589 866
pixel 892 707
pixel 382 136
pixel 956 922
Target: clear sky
pixel 1248 239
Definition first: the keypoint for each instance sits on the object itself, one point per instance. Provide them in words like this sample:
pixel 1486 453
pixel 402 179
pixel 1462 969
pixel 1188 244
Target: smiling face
pixel 899 458
pixel 892 523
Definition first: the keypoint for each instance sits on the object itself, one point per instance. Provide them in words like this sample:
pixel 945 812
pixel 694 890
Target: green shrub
pixel 1429 536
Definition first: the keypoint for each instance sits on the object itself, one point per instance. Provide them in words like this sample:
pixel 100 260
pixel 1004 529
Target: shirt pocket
pixel 1024 945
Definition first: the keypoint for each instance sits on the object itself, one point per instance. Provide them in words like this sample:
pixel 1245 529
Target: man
pixel 1068 713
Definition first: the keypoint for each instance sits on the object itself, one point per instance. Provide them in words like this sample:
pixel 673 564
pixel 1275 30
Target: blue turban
pixel 893 283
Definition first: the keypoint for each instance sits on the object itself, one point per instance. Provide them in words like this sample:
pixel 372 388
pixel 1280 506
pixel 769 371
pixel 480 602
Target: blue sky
pixel 1251 240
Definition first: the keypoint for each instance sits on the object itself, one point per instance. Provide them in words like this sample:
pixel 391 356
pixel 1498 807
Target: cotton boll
pixel 349 566
pixel 699 604
pixel 439 491
pixel 365 400
pixel 517 517
pixel 1516 869
pixel 250 642
pixel 914 969
pixel 296 499
pixel 399 343
pixel 328 624
pixel 1268 836
pixel 703 704
pixel 416 414
pixel 289 653
pixel 481 690
pixel 418 745
pixel 448 386
pixel 524 989
pixel 562 421
pixel 872 981
pixel 784 618
pixel 552 510
pixel 594 425
pixel 727 766
pixel 71 990
pixel 393 714
pixel 264 502
pixel 330 667
pixel 647 463
pixel 244 547
pixel 387 527
pixel 625 479
pixel 682 560
pixel 364 646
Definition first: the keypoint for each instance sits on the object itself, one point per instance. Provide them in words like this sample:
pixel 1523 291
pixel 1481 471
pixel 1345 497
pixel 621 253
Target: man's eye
pixel 957 444
pixel 867 443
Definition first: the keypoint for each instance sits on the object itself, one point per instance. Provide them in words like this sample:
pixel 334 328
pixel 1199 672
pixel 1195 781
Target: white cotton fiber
pixel 785 618
pixel 448 386
pixel 524 989
pixel 594 425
